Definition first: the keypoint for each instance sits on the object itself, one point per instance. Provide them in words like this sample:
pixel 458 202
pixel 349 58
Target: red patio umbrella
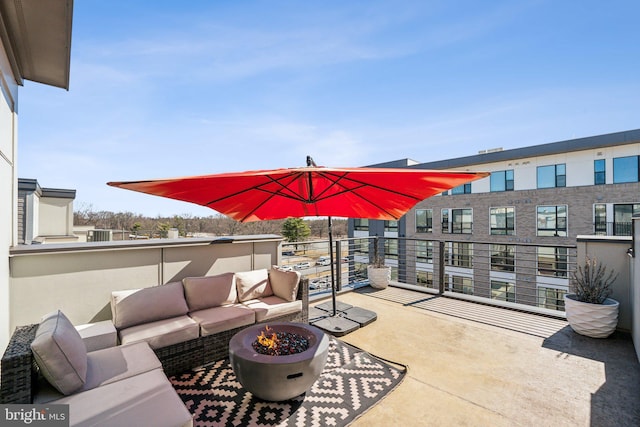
pixel 372 193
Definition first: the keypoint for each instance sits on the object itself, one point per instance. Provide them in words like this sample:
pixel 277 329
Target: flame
pixel 269 342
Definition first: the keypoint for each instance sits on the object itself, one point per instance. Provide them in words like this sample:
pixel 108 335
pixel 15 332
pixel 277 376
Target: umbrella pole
pixel 333 281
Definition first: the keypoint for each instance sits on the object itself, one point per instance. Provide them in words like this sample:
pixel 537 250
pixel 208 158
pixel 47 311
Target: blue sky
pixel 165 88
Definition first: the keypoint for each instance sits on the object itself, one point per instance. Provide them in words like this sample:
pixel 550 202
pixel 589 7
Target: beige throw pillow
pixel 210 291
pixel 138 306
pixel 253 284
pixel 60 353
pixel 284 283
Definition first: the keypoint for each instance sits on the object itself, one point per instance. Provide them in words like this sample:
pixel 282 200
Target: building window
pixel 502 180
pixel 424 221
pixel 391 226
pixel 424 251
pixel 599 172
pixel 625 169
pixel 459 284
pixel 391 248
pixel 503 291
pixel 462 189
pixel 622 221
pixel 460 254
pixel 502 221
pixel 552 176
pixel 552 261
pixel 503 257
pixel 457 221
pixel 600 219
pixel 361 224
pixel 424 278
pixel 552 220
pixel 551 298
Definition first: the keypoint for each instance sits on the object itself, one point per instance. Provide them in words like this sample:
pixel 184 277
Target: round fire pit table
pixel 278 377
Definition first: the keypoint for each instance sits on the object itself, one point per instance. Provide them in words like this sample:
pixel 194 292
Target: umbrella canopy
pixel 373 193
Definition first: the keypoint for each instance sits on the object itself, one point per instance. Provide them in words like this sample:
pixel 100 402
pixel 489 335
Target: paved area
pixel 475 365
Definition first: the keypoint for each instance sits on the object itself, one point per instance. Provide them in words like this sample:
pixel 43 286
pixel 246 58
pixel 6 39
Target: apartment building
pixel 518 226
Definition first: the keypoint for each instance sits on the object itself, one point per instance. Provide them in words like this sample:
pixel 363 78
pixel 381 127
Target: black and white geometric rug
pixel 351 383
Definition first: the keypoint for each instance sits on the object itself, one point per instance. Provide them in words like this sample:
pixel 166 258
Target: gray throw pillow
pixel 60 353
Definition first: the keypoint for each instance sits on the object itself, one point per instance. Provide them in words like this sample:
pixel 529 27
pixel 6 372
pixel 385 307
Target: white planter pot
pixel 379 277
pixel 591 320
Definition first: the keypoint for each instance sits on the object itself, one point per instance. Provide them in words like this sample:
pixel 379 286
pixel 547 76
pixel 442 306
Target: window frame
pixel 558 231
pixel 508 230
pixel 620 170
pixel 500 181
pixel 555 262
pixel 599 176
pixel 559 175
pixel 428 227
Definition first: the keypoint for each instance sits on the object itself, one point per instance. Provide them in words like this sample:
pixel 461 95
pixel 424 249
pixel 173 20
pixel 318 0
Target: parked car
pixel 288 253
pixel 302 265
pixel 320 283
pixel 323 260
pixel 285 268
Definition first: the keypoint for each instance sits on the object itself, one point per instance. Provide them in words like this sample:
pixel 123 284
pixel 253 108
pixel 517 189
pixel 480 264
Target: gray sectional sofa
pixel 161 331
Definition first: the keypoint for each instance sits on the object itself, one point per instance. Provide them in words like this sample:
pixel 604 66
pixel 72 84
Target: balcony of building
pixel 481 327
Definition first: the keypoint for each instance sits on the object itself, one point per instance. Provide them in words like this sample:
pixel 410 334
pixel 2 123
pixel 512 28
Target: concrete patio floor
pixel 476 365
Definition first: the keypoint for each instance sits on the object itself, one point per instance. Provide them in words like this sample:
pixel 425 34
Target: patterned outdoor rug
pixel 351 383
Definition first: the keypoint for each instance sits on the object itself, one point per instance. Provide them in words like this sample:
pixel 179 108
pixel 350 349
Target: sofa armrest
pixel 18 369
pixel 99 335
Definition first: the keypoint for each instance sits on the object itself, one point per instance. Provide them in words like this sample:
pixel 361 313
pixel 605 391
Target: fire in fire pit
pixel 280 343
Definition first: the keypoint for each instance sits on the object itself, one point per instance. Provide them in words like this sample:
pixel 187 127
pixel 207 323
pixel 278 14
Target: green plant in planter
pixel 591 282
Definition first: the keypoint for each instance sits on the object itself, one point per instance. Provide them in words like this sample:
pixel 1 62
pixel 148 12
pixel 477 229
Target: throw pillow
pixel 284 283
pixel 253 284
pixel 210 291
pixel 60 353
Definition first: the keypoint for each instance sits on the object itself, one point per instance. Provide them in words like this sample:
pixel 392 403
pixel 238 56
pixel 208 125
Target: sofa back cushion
pixel 210 291
pixel 60 353
pixel 284 283
pixel 253 284
pixel 136 306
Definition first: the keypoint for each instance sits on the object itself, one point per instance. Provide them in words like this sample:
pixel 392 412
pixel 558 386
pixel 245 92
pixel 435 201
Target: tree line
pixel 189 225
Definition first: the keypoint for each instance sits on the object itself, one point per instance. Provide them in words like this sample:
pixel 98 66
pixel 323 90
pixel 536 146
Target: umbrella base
pixel 328 306
pixel 347 319
pixel 336 325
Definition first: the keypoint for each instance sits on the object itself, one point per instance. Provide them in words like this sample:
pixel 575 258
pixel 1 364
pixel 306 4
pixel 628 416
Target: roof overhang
pixel 37 38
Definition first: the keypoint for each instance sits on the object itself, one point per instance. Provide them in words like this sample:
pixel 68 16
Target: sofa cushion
pixel 147 399
pixel 271 307
pixel 138 306
pixel 117 363
pixel 284 283
pixel 224 318
pixel 60 353
pixel 210 291
pixel 162 333
pixel 253 284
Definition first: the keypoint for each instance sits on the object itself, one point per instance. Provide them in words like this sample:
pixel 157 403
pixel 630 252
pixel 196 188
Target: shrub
pixel 591 282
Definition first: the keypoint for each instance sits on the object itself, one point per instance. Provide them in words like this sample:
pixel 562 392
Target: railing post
pixel 441 263
pixel 338 266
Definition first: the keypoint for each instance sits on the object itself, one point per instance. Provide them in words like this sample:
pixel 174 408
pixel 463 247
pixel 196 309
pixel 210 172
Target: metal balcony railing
pixel 527 276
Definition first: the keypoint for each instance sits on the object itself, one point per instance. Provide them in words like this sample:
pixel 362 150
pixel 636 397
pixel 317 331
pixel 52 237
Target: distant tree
pixel 295 229
pixel 163 229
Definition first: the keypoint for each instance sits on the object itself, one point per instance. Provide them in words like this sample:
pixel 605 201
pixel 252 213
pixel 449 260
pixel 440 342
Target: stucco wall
pixel 78 278
pixel 635 288
pixel 612 252
pixel 8 184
